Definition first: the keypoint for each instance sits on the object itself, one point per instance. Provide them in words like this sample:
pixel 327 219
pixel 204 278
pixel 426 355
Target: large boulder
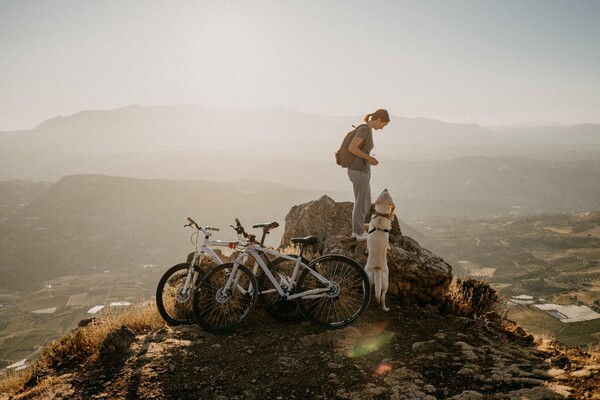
pixel 416 275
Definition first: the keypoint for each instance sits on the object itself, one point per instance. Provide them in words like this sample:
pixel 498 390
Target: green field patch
pixel 33 340
pixel 77 300
pixel 570 265
pixel 580 340
pixel 477 270
pixel 589 254
pixel 562 230
pixel 19 324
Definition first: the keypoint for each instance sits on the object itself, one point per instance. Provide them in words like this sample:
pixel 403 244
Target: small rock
pixel 467 395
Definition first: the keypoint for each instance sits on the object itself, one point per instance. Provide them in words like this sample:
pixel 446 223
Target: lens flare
pixel 382 369
pixel 370 345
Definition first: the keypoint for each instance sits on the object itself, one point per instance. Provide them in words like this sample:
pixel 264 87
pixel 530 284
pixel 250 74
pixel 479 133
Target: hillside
pixel 408 353
pixel 454 345
pixel 14 195
pixel 83 223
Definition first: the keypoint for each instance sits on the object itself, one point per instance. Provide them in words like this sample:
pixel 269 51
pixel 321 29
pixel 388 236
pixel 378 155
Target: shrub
pixel 472 298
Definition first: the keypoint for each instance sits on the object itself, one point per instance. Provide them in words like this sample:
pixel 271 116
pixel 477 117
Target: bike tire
pixel 173 310
pixel 348 298
pixel 217 310
pixel 281 309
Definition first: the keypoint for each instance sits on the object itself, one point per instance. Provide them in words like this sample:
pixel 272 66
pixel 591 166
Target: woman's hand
pixel 372 160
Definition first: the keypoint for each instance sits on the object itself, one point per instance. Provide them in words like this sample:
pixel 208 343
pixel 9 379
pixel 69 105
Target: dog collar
pixel 384 216
pixel 379 229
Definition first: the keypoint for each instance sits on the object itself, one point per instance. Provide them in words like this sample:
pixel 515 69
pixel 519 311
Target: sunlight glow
pixel 382 369
pixel 371 344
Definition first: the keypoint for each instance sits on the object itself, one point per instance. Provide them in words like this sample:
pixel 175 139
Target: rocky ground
pixel 408 353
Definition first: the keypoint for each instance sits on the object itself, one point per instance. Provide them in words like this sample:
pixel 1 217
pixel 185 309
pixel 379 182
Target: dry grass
pixel 83 344
pixel 595 353
pixel 14 381
pixel 45 388
pixel 473 298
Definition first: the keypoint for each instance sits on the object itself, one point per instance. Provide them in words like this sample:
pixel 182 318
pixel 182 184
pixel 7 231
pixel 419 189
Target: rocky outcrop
pixel 416 275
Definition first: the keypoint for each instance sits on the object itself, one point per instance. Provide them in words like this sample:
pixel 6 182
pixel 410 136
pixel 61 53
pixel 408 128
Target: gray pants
pixel 362 198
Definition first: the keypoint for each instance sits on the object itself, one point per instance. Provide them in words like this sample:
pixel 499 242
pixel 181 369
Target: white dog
pixel 378 244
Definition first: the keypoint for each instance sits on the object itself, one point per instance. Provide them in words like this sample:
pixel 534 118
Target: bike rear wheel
pixel 173 299
pixel 220 309
pixel 282 309
pixel 348 295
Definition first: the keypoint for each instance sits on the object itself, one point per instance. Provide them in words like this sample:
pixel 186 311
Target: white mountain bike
pixel 174 292
pixel 176 286
pixel 331 290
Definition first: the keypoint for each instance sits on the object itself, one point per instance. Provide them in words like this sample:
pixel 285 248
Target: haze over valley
pixel 93 204
pixel 124 119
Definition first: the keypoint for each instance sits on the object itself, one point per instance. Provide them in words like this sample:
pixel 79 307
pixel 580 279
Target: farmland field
pixel 24 329
pixel 553 258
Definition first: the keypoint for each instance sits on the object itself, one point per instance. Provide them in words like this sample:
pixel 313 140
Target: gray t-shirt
pixel 360 164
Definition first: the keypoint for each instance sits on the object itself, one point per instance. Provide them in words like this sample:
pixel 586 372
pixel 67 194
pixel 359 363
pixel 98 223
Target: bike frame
pixel 201 251
pixel 254 251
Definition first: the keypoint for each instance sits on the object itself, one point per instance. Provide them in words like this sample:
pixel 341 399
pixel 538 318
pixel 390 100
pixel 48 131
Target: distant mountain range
pixel 183 138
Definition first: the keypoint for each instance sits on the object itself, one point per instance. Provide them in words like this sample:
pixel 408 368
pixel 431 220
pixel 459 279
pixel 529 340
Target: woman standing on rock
pixel 359 170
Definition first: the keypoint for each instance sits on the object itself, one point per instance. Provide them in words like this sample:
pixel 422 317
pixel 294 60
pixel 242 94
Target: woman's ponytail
pixel 380 114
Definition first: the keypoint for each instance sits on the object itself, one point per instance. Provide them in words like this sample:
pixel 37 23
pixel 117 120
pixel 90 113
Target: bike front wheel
pixel 173 297
pixel 222 300
pixel 347 295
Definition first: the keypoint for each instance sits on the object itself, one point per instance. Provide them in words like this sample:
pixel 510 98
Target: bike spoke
pixel 347 295
pixel 218 309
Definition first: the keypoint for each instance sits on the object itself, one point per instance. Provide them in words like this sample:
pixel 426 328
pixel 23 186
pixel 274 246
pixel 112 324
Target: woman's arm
pixel 354 149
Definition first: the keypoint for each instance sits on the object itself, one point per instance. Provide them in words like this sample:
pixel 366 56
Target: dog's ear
pixel 392 211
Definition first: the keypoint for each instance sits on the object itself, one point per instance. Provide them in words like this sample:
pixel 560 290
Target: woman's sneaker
pixel 362 237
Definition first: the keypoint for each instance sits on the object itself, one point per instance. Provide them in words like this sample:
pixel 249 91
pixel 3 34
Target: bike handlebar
pixel 206 228
pixel 239 228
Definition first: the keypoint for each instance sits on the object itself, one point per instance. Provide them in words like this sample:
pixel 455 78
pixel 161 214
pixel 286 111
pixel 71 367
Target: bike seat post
pixel 264 235
pixel 301 249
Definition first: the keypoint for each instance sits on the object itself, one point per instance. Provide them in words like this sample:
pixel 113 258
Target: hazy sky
pixel 488 62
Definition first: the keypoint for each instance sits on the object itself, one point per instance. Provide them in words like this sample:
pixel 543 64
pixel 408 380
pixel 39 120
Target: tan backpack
pixel 343 157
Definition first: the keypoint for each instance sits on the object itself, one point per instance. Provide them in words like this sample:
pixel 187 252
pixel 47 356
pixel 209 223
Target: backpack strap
pixel 368 136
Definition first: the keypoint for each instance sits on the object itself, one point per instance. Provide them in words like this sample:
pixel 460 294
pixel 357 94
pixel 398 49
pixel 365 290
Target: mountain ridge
pixel 186 121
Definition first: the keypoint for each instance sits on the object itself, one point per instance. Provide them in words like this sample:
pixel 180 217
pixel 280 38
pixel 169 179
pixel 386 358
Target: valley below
pixel 542 265
pixel 94 244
